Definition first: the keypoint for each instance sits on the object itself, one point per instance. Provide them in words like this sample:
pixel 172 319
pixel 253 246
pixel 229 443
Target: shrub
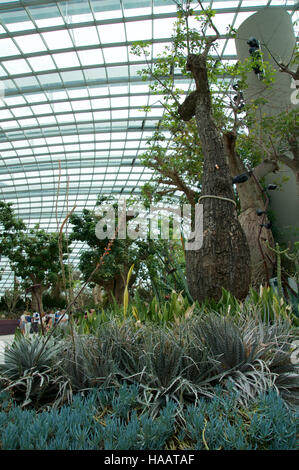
pixel 112 420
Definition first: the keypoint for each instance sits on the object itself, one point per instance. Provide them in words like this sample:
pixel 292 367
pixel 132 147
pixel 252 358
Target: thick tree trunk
pixel 223 260
pixel 251 199
pixel 115 289
pixel 37 299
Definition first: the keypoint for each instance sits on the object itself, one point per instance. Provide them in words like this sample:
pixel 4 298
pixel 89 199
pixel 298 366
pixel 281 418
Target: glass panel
pixel 163 28
pixel 41 63
pixel 84 117
pixel 66 59
pixel 133 8
pixel 46 120
pixel 23 111
pixel 95 74
pixel 117 72
pixel 101 115
pixel 78 93
pixel 7 48
pixel 57 39
pixel 106 9
pixel 57 95
pixel 85 36
pixel 100 103
pixel 139 30
pixel 14 100
pixel 28 122
pixel 27 82
pixel 81 105
pixel 119 102
pixel 18 15
pixel 49 79
pixel 61 107
pixel 42 109
pixel 3 73
pixel 75 12
pixel 14 67
pixel 23 26
pixel 115 54
pixel 118 90
pixel 72 77
pixel 36 97
pixel 63 118
pixel 46 15
pixel 112 33
pixel 30 43
pixel 91 57
pixel 98 91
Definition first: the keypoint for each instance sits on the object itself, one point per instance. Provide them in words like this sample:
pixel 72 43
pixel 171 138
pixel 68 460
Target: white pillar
pixel 274 30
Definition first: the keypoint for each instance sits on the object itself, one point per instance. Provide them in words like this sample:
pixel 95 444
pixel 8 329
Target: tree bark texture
pixel 251 198
pixel 223 261
pixel 115 289
pixel 37 298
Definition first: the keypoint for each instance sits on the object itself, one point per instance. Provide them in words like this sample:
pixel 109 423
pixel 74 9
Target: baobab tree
pixel 223 261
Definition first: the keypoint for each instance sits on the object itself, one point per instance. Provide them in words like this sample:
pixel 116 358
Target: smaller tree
pixel 34 258
pixel 12 296
pixel 112 275
pixel 10 226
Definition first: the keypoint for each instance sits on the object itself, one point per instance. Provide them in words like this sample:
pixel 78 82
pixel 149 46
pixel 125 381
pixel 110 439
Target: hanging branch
pixel 60 229
pixel 70 280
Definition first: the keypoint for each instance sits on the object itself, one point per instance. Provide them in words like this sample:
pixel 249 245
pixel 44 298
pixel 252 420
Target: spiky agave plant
pixel 106 358
pixel 32 371
pixel 252 355
pixel 276 351
pixel 88 362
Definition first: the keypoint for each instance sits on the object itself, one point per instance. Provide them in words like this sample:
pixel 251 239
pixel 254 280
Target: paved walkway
pixel 4 339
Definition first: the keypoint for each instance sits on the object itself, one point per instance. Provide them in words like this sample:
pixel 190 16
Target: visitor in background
pixel 35 322
pixel 57 316
pixel 48 319
pixel 25 323
pixel 64 318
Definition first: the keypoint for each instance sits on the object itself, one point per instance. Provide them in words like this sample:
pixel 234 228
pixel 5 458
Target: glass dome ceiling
pixel 70 117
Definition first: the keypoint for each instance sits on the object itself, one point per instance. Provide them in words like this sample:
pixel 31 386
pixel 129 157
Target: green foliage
pixel 266 305
pixel 11 298
pixel 36 256
pixel 273 132
pixel 33 254
pixel 123 252
pixel 10 226
pixel 51 302
pixel 284 292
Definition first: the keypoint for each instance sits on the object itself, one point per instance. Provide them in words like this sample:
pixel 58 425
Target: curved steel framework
pixel 70 109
